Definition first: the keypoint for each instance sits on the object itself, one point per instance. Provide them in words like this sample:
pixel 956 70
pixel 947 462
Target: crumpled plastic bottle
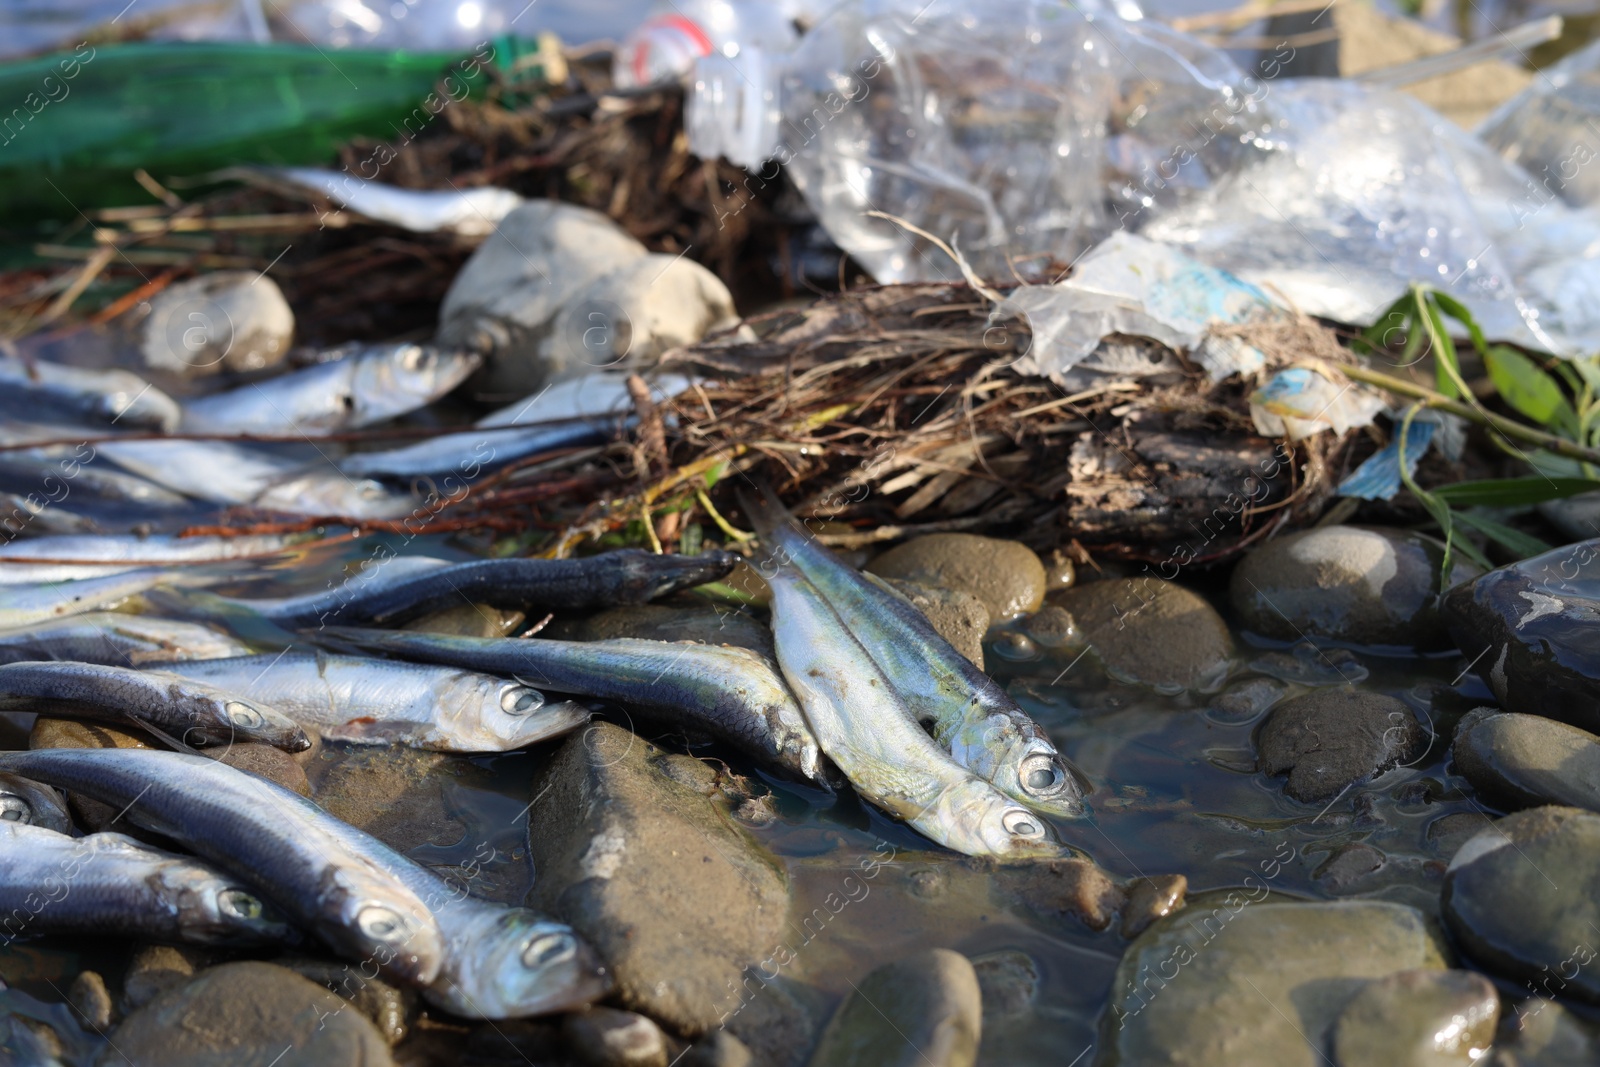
pixel 1552 129
pixel 665 46
pixel 1018 131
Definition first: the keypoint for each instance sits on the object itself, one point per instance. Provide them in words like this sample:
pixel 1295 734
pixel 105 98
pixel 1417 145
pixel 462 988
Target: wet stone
pixel 1015 647
pixel 1075 888
pixel 677 899
pixel 250 1015
pixel 273 764
pixel 1523 899
pixel 1059 570
pixel 1231 981
pixel 1330 739
pixel 922 1011
pixel 607 1037
pixel 1150 899
pixel 718 1049
pixel 1350 583
pixel 1422 1018
pixel 1529 632
pixel 1053 627
pixel 1520 761
pixel 1009 982
pixel 1449 832
pixel 154 969
pixel 1006 576
pixel 92 815
pixel 658 622
pixel 91 999
pixel 1545 1034
pixel 959 617
pixel 388 1008
pixel 1152 632
pixel 1349 867
pixel 469 620
pixel 1306 664
pixel 1246 701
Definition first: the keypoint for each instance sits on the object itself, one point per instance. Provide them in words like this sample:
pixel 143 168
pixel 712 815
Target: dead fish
pixel 377 701
pixel 22 801
pixel 733 694
pixel 290 851
pixel 193 711
pixel 396 591
pixel 117 639
pixel 116 397
pixel 111 884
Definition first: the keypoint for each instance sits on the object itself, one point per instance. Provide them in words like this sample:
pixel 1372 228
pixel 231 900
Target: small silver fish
pixel 32 804
pixel 58 558
pixel 191 710
pixel 111 396
pixel 367 384
pixel 733 694
pixel 111 884
pixel 117 639
pixel 289 850
pixel 974 719
pixel 376 701
pixel 500 962
pixel 35 602
pixel 865 728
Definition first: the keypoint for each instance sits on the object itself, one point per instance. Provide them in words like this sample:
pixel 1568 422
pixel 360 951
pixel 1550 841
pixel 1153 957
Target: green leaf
pixel 1458 311
pixel 1436 507
pixel 1445 368
pixel 1526 386
pixel 1512 492
pixel 1524 545
pixel 1589 368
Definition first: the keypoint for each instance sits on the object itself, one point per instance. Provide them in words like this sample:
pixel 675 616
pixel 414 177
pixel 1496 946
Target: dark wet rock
pixel 1306 664
pixel 91 999
pixel 249 1015
pixel 68 733
pixel 1529 632
pixel 1349 867
pixel 1150 899
pixel 1009 982
pixel 677 898
pixel 1521 761
pixel 1330 739
pixel 608 1037
pixel 657 622
pixel 1075 888
pixel 958 616
pixel 154 969
pixel 922 1011
pixel 1228 981
pixel 1246 701
pixel 1005 575
pixel 1350 583
pixel 1059 570
pixel 36 1033
pixel 469 620
pixel 1150 631
pixel 273 764
pixel 1545 1034
pixel 1449 832
pixel 718 1049
pixel 1420 1018
pixel 395 794
pixel 1053 627
pixel 389 1009
pixel 1523 899
pixel 1015 647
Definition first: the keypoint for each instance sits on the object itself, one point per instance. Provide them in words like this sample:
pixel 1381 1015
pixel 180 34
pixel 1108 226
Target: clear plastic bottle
pixel 1552 130
pixel 665 46
pixel 988 126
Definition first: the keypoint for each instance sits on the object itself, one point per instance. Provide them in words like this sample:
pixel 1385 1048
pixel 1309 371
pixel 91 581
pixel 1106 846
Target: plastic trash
pixel 1017 132
pixel 1129 285
pixel 1298 402
pixel 1552 130
pixel 473 212
pixel 667 44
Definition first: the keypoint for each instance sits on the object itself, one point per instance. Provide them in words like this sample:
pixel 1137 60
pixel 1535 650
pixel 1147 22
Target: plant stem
pixel 1510 427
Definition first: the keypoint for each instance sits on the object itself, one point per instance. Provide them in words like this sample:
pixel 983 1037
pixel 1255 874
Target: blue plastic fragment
pixel 1379 477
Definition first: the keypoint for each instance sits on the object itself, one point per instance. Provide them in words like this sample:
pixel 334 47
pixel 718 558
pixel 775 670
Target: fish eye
pixel 380 923
pixel 237 904
pixel 242 715
pixel 1020 823
pixel 14 809
pixel 519 700
pixel 1040 774
pixel 547 949
pixel 416 358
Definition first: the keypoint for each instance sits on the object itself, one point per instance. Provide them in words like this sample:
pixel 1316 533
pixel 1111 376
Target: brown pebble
pixel 154 969
pixel 1076 887
pixel 611 1037
pixel 273 764
pixel 69 733
pixel 1150 899
pixel 89 995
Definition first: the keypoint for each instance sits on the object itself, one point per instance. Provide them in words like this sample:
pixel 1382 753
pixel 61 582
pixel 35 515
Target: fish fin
pixel 373 732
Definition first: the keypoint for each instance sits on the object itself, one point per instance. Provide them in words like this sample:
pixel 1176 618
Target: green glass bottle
pixel 74 126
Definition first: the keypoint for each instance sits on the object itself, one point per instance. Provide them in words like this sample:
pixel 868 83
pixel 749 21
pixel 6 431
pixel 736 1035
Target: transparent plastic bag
pixel 1552 130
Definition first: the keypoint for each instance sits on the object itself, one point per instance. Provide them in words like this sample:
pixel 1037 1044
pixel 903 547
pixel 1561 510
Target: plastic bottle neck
pixel 732 110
